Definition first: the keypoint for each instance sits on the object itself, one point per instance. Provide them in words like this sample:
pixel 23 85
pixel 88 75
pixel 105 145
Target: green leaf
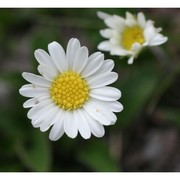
pixel 35 154
pixel 11 167
pixel 97 157
pixel 136 91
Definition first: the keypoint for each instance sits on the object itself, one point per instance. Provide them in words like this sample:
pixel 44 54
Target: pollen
pixel 132 35
pixel 69 90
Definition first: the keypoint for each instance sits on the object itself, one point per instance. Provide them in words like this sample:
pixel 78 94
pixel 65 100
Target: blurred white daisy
pixel 127 36
pixel 71 94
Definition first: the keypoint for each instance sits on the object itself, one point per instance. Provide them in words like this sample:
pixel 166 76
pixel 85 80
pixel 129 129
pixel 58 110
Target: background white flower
pixel 127 36
pixel 72 94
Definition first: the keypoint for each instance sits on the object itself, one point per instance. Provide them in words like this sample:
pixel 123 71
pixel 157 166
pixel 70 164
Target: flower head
pixel 72 93
pixel 127 36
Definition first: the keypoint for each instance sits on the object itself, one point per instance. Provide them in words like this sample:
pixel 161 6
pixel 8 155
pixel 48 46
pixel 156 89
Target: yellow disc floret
pixel 132 35
pixel 69 90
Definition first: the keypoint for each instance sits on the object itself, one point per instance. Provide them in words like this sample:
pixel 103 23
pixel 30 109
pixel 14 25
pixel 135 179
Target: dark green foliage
pixel 150 93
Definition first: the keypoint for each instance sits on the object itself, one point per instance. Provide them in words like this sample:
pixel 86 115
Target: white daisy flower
pixel 127 37
pixel 72 94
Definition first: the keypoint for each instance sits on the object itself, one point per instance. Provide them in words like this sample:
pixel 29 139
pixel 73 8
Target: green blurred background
pixel 146 136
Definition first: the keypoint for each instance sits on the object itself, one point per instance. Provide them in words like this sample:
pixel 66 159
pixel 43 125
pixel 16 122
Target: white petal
pixel 49 120
pixel 57 130
pixel 107 66
pixel 129 15
pixel 130 20
pixel 131 60
pixel 82 124
pixel 119 24
pixel 141 20
pixel 159 29
pixel 93 56
pixel 40 70
pixel 105 46
pixel 34 101
pixel 80 59
pixel 30 90
pixel 36 109
pixel 102 79
pixel 58 55
pixel 103 15
pixel 99 112
pixel 110 22
pixel 115 40
pixel 149 23
pixel 72 49
pixel 111 106
pixel 47 72
pixel 95 61
pixel 106 93
pixel 149 32
pixel 41 116
pixel 96 128
pixel 119 51
pixel 106 33
pixel 114 106
pixel 158 39
pixel 136 47
pixel 70 125
pixel 115 22
pixel 44 58
pixel 30 103
pixel 36 79
pixel 36 123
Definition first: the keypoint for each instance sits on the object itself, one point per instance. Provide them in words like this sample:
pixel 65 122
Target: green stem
pixel 170 70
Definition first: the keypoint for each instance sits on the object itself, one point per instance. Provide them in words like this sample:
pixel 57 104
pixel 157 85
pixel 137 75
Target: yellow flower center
pixel 69 90
pixel 132 35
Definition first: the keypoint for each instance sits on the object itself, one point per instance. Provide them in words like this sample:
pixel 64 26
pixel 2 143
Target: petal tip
pixel 131 60
pixel 20 91
pixel 53 43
